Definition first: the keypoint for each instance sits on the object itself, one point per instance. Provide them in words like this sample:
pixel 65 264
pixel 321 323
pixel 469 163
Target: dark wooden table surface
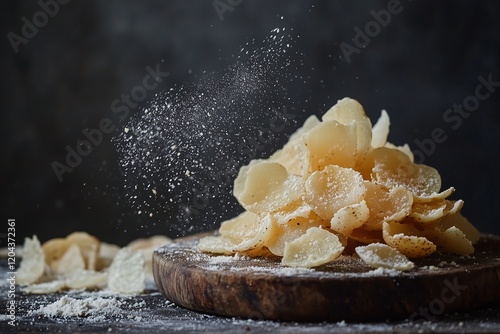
pixel 151 313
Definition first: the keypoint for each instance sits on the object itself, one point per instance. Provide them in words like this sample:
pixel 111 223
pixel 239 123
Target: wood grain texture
pixel 345 289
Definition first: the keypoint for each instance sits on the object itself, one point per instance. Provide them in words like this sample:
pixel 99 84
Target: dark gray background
pixel 65 78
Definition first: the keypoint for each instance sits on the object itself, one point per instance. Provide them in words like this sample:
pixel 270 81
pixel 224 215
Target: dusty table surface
pixel 150 312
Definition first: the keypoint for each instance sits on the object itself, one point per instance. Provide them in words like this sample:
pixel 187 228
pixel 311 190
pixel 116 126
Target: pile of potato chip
pixel 80 261
pixel 336 185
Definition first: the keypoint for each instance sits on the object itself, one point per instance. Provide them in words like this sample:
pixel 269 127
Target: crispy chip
pixel 146 246
pixel 217 245
pixel 316 247
pixel 349 218
pixel 288 232
pixel 347 111
pixel 380 130
pixel 89 247
pixel 297 209
pixel 405 149
pixel 46 288
pixel 241 228
pixel 149 243
pixel 428 212
pixel 86 279
pixel 385 205
pixel 265 186
pixel 107 253
pixel 380 255
pixel 126 273
pixel 33 263
pixel 54 249
pixel 453 240
pixel 332 189
pixel 267 230
pixel 463 225
pixel 289 156
pixel 434 196
pixel 405 239
pixel 433 211
pixel 393 168
pixel 329 143
pixel 72 260
pixel 260 251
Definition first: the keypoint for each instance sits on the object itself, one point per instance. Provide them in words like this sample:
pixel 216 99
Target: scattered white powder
pixel 444 263
pixel 226 258
pixel 342 323
pixel 279 271
pixel 381 272
pixel 429 267
pixel 93 309
pixel 222 259
pixel 182 139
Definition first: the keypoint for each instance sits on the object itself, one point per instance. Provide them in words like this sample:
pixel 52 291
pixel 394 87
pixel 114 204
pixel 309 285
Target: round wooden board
pixel 346 289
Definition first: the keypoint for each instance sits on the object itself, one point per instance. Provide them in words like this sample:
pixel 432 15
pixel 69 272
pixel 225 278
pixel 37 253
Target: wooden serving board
pixel 346 289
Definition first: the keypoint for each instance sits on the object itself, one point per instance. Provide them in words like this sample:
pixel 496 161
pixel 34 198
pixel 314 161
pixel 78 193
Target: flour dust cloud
pixel 180 154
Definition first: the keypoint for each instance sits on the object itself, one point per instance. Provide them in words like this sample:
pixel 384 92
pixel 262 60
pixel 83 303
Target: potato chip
pixel 365 169
pixel 241 228
pixel 217 245
pixel 347 111
pixel 404 238
pixel 405 149
pixel 288 232
pixel 379 255
pixel 433 211
pixel 33 263
pixel 126 273
pixel 309 124
pixel 452 240
pixel 146 246
pixel 380 130
pixel 266 186
pixel 428 212
pixel 260 251
pixel 267 230
pixel 333 188
pixel 72 260
pixel 349 218
pixel 89 247
pixel 85 279
pixel 385 205
pixel 316 247
pixel 329 143
pixel 45 288
pixel 463 225
pixel 54 249
pixel 434 196
pixel 393 168
pixel 297 209
pixel 149 243
pixel 107 253
pixel 289 156
pixel 248 242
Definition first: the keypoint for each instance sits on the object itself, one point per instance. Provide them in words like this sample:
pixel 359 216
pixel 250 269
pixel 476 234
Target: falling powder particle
pixel 177 145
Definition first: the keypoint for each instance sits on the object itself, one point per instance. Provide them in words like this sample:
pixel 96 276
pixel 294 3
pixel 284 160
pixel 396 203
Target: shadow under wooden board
pixel 345 289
